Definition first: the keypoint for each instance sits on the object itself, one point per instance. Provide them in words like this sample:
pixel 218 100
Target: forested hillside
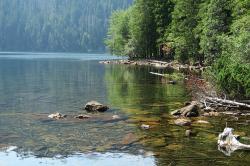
pixel 55 25
pixel 215 33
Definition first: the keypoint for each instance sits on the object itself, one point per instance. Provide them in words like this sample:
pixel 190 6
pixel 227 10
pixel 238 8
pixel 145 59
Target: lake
pixel 34 85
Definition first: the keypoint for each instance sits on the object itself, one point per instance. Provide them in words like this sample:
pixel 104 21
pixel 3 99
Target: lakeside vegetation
pixel 214 33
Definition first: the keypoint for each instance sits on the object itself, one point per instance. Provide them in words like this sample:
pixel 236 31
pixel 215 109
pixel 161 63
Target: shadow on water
pixel 32 89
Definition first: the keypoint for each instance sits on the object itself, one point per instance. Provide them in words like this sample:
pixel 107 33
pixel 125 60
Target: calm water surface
pixel 33 86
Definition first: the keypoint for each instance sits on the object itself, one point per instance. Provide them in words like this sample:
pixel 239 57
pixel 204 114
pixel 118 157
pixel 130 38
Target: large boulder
pixel 191 110
pixel 94 106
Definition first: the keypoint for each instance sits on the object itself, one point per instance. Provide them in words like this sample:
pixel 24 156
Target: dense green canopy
pixel 213 32
pixel 55 25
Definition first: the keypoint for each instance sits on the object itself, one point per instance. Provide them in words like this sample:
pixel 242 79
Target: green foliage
pixel 214 31
pixel 232 69
pixel 182 30
pixel 163 17
pixel 233 76
pixel 175 76
pixel 142 30
pixel 215 17
pixel 118 33
pixel 127 89
pixel 56 25
pixel 146 22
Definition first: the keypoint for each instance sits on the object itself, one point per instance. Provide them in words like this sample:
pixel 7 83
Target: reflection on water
pixel 76 56
pixel 11 158
pixel 35 87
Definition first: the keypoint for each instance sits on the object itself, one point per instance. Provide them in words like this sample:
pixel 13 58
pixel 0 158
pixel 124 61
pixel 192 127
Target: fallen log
pixel 156 61
pixel 229 102
pixel 244 101
pixel 228 143
pixel 158 74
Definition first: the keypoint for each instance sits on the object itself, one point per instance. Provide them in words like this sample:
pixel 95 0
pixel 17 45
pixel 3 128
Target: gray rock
pixel 202 122
pixel 82 117
pixel 145 127
pixel 182 122
pixel 94 106
pixel 57 116
pixel 189 133
pixel 191 110
pixel 116 117
pixel 176 113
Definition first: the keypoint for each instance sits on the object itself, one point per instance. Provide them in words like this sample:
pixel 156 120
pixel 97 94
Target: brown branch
pixel 229 102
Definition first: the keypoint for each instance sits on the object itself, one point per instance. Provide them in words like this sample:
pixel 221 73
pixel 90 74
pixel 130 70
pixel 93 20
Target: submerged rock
pixel 57 116
pixel 174 146
pixel 149 154
pixel 82 117
pixel 189 133
pixel 202 122
pixel 129 139
pixel 116 117
pixel 145 127
pixel 183 122
pixel 94 106
pixel 146 153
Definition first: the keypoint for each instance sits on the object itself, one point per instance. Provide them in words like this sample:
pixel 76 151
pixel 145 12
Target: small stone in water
pixel 115 117
pixel 83 116
pixel 202 121
pixel 149 153
pixel 189 133
pixel 145 127
pixel 56 116
pixel 94 106
pixel 182 122
pixel 141 151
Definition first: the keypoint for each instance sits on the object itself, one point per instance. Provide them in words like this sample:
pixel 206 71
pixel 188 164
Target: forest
pixel 213 33
pixel 56 25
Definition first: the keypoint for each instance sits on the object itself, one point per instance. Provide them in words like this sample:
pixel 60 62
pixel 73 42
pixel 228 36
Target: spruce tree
pixel 215 21
pixel 182 33
pixel 232 69
pixel 162 15
pixel 142 26
pixel 118 32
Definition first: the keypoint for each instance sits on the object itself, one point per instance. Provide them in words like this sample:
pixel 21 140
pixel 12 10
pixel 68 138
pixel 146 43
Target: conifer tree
pixel 232 69
pixel 182 34
pixel 215 21
pixel 142 26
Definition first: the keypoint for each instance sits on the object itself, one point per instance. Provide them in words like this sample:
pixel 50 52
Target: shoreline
pixel 203 94
pixel 157 64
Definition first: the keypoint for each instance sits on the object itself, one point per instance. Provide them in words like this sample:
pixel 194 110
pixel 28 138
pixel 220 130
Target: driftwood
pixel 228 143
pixel 156 61
pixel 244 101
pixel 226 103
pixel 158 74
